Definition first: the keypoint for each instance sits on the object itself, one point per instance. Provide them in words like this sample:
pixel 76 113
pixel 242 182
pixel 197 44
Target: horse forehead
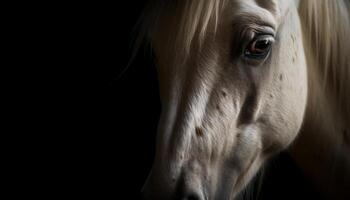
pixel 270 5
pixel 277 8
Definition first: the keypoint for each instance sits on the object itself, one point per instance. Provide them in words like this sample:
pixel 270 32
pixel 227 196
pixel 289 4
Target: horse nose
pixel 188 185
pixel 192 190
pixel 187 192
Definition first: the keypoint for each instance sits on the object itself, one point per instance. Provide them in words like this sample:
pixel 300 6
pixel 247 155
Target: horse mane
pixel 194 20
pixel 327 29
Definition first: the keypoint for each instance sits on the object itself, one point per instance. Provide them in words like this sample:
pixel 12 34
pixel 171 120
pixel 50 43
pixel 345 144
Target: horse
pixel 241 81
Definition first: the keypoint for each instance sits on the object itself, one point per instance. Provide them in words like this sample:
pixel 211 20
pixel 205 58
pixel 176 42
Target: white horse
pixel 241 80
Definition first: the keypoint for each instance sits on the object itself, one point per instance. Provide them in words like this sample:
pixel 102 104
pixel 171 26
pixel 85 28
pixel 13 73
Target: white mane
pixel 195 19
pixel 327 28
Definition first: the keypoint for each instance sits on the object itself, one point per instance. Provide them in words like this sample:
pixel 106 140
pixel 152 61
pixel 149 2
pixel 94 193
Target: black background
pixel 106 120
pixel 109 111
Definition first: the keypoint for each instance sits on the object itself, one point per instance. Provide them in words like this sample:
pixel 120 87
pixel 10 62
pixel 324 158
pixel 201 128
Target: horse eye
pixel 259 47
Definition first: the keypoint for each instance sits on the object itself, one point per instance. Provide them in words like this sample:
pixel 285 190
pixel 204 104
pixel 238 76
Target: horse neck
pixel 323 145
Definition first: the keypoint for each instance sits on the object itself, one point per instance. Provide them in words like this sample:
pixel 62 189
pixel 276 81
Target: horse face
pixel 237 98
